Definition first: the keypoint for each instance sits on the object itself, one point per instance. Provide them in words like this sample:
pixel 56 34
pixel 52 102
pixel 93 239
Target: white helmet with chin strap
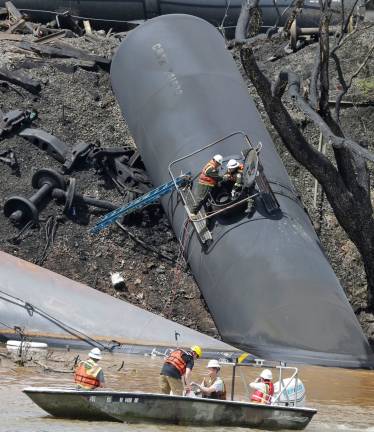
pixel 95 353
pixel 218 158
pixel 232 164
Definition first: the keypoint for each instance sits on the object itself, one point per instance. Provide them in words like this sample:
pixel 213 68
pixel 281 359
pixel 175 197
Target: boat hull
pixel 151 407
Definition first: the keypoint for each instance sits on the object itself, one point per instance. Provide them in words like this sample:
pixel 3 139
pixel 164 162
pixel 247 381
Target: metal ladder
pixel 200 226
pixel 138 203
pixel 268 198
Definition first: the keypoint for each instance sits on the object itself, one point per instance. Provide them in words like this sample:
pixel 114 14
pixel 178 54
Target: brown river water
pixel 344 398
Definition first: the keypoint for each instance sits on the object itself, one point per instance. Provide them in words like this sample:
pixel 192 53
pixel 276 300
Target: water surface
pixel 344 398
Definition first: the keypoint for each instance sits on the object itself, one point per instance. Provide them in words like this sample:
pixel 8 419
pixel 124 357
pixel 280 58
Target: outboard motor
pixel 293 392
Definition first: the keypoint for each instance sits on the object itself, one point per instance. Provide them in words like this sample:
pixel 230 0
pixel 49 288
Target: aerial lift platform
pixel 253 176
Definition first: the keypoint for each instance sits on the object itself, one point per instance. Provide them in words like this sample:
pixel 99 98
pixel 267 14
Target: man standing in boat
pixel 177 368
pixel 213 386
pixel 264 388
pixel 208 180
pixel 88 374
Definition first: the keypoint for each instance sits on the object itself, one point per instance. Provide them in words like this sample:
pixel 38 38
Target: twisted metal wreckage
pixel 265 278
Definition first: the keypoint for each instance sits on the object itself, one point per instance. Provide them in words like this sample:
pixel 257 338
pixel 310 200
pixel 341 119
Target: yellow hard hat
pixel 198 350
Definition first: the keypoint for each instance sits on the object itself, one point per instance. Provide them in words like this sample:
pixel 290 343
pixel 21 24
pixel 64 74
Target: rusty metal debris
pixel 71 197
pixel 45 141
pixel 9 158
pixel 79 152
pixel 12 120
pixel 21 210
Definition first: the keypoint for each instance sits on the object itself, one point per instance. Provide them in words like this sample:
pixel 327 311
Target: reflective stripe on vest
pixel 204 178
pixel 175 359
pixel 86 375
pixel 216 394
pixel 263 398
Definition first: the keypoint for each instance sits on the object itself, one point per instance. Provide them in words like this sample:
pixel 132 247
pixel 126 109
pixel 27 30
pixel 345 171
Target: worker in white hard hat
pixel 208 180
pixel 234 176
pixel 88 374
pixel 213 386
pixel 264 388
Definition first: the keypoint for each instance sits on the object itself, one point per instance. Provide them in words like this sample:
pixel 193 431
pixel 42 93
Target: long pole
pixel 233 381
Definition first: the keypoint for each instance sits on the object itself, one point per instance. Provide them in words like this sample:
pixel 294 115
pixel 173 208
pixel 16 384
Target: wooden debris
pixel 59 49
pixel 19 23
pixel 51 37
pixel 17 15
pixel 11 37
pixel 21 80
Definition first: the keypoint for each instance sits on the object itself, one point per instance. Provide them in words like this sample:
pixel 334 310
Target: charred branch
pixel 352 209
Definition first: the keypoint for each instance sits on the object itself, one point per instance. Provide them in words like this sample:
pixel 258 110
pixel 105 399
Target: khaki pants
pixel 169 384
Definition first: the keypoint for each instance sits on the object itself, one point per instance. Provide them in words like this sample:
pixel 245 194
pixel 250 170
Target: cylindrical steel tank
pixel 267 282
pixel 217 12
pixel 48 307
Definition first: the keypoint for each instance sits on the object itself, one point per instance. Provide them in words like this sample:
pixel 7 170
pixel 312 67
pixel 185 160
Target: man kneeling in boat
pixel 177 366
pixel 88 374
pixel 264 388
pixel 213 386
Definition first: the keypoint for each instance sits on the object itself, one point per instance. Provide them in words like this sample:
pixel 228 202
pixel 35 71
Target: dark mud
pixel 78 105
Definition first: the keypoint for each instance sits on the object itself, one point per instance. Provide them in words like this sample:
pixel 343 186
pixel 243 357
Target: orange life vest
pixel 263 398
pixel 176 360
pixel 204 178
pixel 86 375
pixel 215 395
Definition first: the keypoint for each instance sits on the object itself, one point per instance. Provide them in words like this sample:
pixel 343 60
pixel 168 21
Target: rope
pixel 210 215
pixel 144 244
pixel 50 230
pixel 25 229
pixel 31 309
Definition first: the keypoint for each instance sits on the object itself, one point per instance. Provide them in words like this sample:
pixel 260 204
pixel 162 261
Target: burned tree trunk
pixel 345 183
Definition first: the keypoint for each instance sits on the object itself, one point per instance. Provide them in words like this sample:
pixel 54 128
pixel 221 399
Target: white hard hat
pixel 266 374
pixel 218 158
pixel 232 163
pixel 213 364
pixel 95 353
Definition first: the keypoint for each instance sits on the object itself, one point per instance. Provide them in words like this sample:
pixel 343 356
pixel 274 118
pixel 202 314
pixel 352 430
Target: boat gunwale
pixel 149 395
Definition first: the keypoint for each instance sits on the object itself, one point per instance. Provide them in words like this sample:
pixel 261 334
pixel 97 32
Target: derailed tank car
pixel 266 280
pixel 218 12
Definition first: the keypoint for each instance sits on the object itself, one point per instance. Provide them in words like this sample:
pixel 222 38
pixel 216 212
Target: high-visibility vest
pixel 86 373
pixel 204 178
pixel 175 359
pixel 217 394
pixel 263 398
